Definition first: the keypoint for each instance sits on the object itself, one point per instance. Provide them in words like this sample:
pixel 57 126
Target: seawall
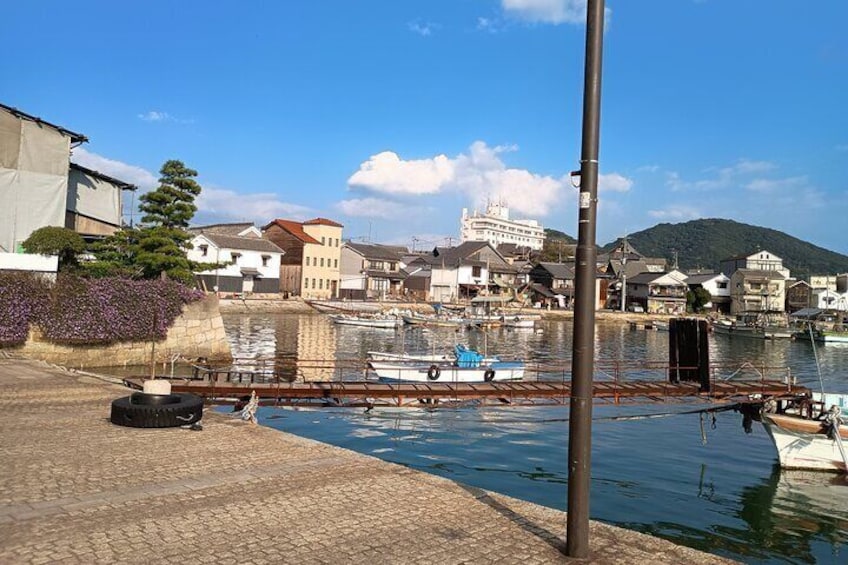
pixel 197 332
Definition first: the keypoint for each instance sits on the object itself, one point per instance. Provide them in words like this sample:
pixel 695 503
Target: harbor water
pixel 662 469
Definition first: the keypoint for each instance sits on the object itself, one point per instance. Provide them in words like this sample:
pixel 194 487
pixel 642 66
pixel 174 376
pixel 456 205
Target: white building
pixel 495 227
pixel 249 263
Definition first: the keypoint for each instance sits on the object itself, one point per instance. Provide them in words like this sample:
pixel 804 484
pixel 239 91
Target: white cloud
pixel 771 186
pixel 374 208
pixel 422 29
pixel 154 116
pixel 386 172
pixel 133 174
pixel 224 204
pixel 547 11
pixel 720 178
pixel 614 182
pixel 480 174
pixel 648 169
pixel 157 116
pixel 676 212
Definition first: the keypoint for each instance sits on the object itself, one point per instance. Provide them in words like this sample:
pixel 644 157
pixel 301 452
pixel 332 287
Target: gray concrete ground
pixel 76 489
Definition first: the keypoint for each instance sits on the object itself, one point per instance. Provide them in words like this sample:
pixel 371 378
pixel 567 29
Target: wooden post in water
pixel 688 352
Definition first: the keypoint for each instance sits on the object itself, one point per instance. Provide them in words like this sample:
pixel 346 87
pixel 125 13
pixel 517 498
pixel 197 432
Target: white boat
pixel 520 320
pixel 756 331
pixel 435 320
pixel 386 322
pixel 804 432
pixel 831 336
pixel 329 306
pixel 466 366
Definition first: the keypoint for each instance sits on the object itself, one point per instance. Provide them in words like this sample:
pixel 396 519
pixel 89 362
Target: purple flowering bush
pixel 23 298
pixel 96 311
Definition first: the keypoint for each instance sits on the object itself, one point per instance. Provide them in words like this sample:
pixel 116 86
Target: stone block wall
pixel 197 332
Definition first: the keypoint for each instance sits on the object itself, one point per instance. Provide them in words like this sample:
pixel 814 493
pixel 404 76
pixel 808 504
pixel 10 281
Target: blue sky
pixel 391 116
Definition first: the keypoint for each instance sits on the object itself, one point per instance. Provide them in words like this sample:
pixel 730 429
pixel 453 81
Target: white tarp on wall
pixel 94 197
pixel 33 178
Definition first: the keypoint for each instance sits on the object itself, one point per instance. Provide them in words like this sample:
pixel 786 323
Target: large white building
pixel 495 227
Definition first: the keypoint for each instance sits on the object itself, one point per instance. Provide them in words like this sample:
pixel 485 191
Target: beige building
pixel 310 266
pixel 757 291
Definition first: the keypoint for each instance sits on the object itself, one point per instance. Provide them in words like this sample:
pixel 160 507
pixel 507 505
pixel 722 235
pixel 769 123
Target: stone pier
pixel 77 489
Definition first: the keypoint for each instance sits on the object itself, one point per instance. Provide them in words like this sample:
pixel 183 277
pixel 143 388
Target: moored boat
pixel 809 433
pixel 435 320
pixel 376 321
pixel 466 366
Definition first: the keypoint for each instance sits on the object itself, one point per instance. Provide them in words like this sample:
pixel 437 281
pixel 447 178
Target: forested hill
pixel 704 243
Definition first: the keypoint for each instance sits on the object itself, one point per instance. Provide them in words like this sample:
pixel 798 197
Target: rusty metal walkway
pixel 370 394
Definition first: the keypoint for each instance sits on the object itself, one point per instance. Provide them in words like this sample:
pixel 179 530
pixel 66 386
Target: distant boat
pixel 329 306
pixel 435 320
pixel 520 320
pixel 831 336
pixel 373 321
pixel 747 327
pixel 467 366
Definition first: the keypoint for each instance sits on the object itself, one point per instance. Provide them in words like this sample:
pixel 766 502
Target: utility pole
pixel 623 293
pixel 583 350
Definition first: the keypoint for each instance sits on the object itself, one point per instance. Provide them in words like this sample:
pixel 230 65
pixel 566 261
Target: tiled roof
pixel 376 251
pixel 246 243
pixel 295 229
pixel 323 222
pixel 224 229
pixel 558 270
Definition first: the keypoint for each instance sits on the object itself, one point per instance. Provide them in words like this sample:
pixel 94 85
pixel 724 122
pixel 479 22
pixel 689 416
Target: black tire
pixel 489 375
pixel 153 399
pixel 174 410
pixel 433 372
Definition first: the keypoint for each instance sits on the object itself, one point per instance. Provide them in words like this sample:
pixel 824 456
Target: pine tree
pixel 172 204
pixel 158 246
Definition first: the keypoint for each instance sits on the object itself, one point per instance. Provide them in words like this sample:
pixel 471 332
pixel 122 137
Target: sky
pixel 391 116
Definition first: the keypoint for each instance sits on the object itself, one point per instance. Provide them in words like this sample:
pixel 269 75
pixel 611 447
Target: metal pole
pixel 583 351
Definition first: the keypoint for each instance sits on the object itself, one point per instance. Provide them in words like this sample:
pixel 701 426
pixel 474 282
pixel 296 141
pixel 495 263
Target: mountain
pixel 558 246
pixel 556 235
pixel 705 243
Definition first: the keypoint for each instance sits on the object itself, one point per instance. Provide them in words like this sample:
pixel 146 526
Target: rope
pixel 248 413
pixel 834 420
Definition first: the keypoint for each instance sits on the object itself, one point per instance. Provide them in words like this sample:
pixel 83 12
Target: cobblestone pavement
pixel 76 489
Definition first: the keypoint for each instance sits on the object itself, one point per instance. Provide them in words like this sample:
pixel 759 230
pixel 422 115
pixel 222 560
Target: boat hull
pixel 394 371
pixel 383 323
pixel 804 444
pixel 832 337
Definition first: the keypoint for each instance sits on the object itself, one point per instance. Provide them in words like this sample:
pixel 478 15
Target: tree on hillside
pixel 52 240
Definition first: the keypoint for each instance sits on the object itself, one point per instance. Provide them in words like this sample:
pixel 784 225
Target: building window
pixel 204 249
pixel 265 259
pixel 235 257
pixel 337 242
pixel 306 261
pixel 322 240
pixel 336 263
pixel 322 261
pixel 320 284
pixel 313 283
pixel 476 272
